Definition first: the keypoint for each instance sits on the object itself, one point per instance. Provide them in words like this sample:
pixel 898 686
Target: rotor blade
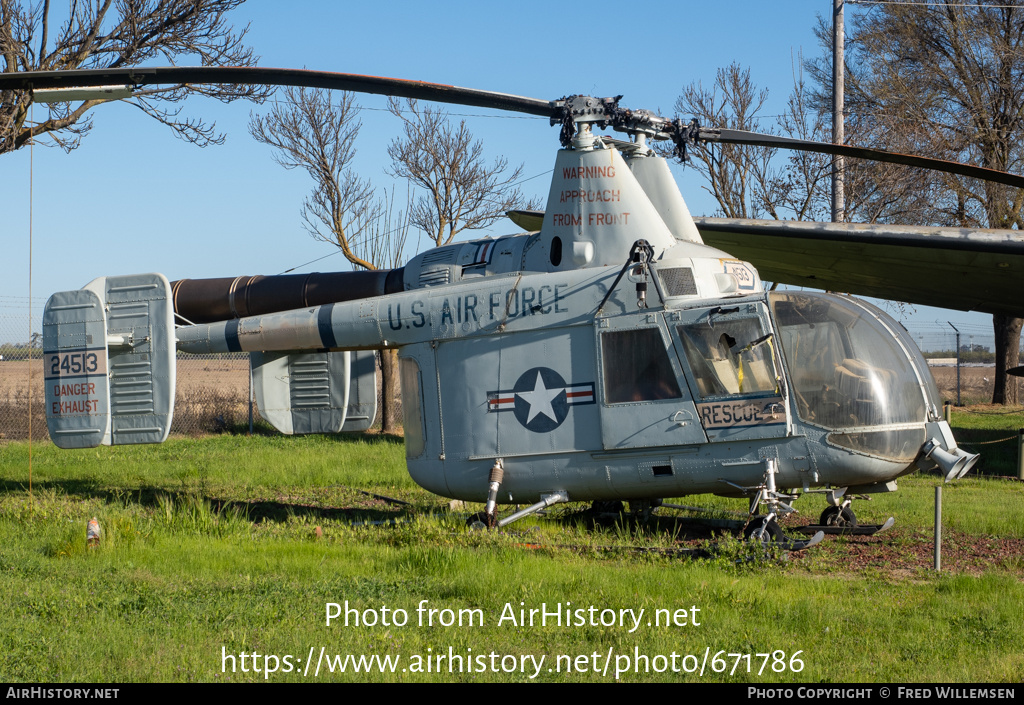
pixel 530 221
pixel 960 268
pixel 173 75
pixel 844 150
pixel 443 93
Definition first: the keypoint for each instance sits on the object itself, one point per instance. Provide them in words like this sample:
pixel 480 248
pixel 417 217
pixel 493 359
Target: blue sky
pixel 134 198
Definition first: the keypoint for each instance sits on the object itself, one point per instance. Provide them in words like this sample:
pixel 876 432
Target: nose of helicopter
pixel 855 373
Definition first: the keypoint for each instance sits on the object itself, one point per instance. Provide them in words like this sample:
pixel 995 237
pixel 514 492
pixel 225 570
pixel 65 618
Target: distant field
pixel 975 384
pixel 219 373
pixel 211 394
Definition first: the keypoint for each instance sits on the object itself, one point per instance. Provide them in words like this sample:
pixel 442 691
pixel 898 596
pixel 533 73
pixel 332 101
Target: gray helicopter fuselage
pixel 690 395
pixel 549 355
pixel 626 403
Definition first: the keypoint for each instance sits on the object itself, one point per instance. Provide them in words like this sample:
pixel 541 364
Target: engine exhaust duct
pixel 211 300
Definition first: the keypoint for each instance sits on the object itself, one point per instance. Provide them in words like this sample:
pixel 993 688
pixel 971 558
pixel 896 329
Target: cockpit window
pixel 636 367
pixel 731 357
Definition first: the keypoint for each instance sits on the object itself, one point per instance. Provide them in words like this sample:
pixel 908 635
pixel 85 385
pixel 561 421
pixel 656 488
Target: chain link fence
pixel 212 394
pixel 21 404
pixel 975 341
pixel 972 344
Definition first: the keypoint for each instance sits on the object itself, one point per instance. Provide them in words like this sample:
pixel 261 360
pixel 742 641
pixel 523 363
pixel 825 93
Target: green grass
pixel 210 547
pixel 991 431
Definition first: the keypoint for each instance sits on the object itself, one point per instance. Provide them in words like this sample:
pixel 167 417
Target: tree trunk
pixel 389 392
pixel 1007 331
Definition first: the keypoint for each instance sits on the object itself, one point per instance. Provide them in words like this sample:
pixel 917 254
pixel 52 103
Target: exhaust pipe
pixel 212 300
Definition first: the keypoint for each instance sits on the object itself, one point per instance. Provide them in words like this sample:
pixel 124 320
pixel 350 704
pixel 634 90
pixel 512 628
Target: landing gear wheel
pixel 765 530
pixel 839 517
pixel 479 522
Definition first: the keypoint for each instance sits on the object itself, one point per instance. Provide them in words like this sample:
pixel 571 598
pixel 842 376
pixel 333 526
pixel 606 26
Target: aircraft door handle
pixel 682 418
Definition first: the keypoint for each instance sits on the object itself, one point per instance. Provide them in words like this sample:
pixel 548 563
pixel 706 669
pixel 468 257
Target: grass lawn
pixel 228 546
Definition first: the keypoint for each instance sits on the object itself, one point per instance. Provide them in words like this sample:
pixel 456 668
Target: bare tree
pixel 731 170
pixel 756 182
pixel 381 240
pixel 945 80
pixel 791 184
pixel 779 183
pixel 108 34
pixel 799 189
pixel 463 192
pixel 311 131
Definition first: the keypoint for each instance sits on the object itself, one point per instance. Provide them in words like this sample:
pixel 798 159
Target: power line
pixel 932 4
pixel 298 266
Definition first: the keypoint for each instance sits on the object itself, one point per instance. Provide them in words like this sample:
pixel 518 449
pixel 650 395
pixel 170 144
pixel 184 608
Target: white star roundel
pixel 541 399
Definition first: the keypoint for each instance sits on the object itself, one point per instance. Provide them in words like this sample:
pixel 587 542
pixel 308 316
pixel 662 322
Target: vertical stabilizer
pixel 75 370
pixel 301 392
pixel 109 362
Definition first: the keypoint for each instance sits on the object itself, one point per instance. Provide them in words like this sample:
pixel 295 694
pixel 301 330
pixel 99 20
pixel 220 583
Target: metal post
pixel 947 411
pixel 250 394
pixel 938 527
pixel 957 363
pixel 958 402
pixel 1020 454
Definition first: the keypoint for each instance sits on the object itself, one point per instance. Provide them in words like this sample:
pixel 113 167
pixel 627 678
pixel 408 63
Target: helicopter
pixel 608 354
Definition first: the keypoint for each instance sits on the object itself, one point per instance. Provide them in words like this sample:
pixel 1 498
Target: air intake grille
pixel 678 281
pixel 432 276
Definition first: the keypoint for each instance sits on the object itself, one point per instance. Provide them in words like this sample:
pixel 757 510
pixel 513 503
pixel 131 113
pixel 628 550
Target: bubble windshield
pixel 851 365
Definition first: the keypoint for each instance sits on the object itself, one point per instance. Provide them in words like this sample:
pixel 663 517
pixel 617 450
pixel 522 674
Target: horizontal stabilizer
pixel 75 369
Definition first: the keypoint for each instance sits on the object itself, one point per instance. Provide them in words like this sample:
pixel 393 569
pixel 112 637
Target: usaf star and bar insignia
pixel 540 399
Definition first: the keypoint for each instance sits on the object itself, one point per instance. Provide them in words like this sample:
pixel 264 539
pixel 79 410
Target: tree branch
pixel 142 29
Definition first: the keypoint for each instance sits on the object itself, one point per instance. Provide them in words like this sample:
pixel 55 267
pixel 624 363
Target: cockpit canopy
pixel 854 370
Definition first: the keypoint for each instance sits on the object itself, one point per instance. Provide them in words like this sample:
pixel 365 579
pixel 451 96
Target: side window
pixel 731 357
pixel 412 407
pixel 636 367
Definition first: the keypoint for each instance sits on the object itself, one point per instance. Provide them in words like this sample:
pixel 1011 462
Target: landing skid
pixel 766 529
pixel 858 530
pixel 788 544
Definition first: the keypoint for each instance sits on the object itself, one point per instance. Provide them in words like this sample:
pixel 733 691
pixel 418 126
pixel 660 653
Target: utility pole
pixel 838 132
